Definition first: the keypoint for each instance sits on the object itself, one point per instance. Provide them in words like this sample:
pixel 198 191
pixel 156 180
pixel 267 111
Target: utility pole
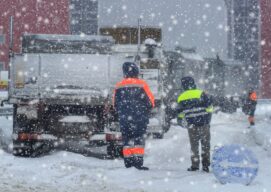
pixel 138 36
pixel 11 36
pixel 11 23
pixel 137 57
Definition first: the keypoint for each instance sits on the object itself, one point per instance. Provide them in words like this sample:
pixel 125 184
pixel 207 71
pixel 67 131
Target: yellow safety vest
pixel 193 94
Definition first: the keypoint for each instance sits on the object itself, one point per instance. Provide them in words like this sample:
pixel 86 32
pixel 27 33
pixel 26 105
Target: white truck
pixel 61 89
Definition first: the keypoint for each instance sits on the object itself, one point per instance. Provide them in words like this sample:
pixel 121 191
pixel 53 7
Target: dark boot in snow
pixel 138 163
pixel 205 169
pixel 128 165
pixel 142 168
pixel 129 162
pixel 193 169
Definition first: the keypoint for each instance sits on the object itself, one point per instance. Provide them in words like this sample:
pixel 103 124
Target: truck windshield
pixel 149 64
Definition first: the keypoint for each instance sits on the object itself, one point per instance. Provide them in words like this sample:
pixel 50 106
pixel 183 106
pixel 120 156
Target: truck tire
pixel 31 149
pixel 114 151
pixel 27 148
pixel 22 151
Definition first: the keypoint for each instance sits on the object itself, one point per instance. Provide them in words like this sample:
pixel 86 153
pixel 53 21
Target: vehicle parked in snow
pixel 61 89
pixel 57 80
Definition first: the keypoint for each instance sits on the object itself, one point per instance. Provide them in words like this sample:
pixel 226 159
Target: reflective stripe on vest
pixel 194 110
pixel 181 115
pixel 196 114
pixel 210 109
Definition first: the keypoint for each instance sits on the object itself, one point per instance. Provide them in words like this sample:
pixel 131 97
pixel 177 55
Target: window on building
pixel 1 66
pixel 85 12
pixel 2 39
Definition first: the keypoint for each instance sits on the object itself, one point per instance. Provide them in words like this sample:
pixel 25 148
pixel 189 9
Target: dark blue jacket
pixel 133 102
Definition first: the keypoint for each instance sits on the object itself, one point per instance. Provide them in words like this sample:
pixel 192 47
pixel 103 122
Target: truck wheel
pixel 24 151
pixel 31 149
pixel 21 152
pixel 114 151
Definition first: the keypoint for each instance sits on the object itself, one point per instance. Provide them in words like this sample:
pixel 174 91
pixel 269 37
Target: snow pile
pixel 150 41
pixel 262 137
pixel 262 131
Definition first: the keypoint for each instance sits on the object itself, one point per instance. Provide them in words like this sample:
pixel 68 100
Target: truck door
pixel 150 72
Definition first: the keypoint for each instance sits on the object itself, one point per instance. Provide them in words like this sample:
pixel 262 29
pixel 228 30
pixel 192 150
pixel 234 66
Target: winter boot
pixel 138 163
pixel 205 169
pixel 143 168
pixel 193 169
pixel 128 162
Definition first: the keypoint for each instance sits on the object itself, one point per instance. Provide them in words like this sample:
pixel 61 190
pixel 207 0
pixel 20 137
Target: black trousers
pixel 200 135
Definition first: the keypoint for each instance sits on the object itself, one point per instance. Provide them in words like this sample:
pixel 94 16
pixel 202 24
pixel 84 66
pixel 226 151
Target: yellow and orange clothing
pixel 133 100
pixel 249 106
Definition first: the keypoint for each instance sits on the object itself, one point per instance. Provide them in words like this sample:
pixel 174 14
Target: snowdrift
pixel 262 137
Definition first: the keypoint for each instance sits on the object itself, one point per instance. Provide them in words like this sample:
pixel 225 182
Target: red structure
pixel 266 48
pixel 31 16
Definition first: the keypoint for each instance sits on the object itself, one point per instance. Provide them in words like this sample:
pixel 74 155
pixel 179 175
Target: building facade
pixel 249 40
pixel 84 16
pixel 266 48
pixel 244 37
pixel 30 16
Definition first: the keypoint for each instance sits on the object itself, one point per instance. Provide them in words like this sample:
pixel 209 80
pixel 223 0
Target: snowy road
pixel 167 158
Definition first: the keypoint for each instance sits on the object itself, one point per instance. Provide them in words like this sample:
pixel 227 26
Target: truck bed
pixel 64 77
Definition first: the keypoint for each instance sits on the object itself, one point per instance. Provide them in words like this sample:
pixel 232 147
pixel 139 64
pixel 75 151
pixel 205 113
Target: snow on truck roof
pixel 56 37
pixel 51 43
pixel 192 56
pixel 127 48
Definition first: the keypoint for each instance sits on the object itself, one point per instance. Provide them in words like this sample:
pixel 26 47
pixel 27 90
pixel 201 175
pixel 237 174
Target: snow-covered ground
pixel 167 158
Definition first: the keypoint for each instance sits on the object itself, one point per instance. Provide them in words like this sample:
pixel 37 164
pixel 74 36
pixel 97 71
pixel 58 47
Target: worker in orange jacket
pixel 249 106
pixel 133 101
